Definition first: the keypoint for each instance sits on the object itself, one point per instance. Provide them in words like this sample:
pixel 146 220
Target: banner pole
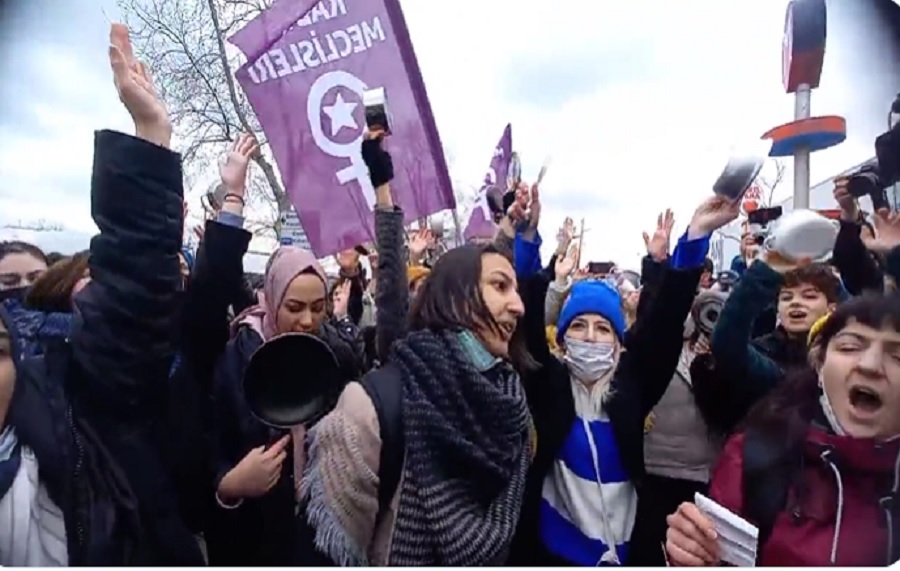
pixel 459 230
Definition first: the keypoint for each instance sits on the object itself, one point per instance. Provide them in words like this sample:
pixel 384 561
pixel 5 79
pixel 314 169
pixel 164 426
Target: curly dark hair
pixel 786 412
pixel 820 276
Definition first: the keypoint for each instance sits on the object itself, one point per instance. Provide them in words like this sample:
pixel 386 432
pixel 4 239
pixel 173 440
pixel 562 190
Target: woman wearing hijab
pixel 254 477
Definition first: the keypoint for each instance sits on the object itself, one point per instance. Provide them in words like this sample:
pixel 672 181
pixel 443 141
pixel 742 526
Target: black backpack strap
pixel 766 479
pixel 384 388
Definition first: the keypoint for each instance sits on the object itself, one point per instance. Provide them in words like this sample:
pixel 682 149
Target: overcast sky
pixel 637 102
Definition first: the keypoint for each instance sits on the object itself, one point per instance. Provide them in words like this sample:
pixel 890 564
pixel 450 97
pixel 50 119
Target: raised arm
pixel 122 338
pixel 657 338
pixel 217 278
pixel 391 290
pixel 734 355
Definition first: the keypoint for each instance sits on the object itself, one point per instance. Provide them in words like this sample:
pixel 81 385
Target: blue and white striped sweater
pixel 577 523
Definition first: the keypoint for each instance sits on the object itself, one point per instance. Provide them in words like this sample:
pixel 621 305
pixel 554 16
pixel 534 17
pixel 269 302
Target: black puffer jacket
pixel 90 408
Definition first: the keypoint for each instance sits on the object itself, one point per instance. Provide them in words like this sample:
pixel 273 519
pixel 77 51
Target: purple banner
pixel 481 224
pixel 261 33
pixel 306 88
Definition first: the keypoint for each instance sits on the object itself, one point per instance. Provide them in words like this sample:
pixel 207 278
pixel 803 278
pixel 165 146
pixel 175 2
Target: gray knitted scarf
pixel 467 454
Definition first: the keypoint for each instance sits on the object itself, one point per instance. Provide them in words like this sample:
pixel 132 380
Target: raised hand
pixel 419 242
pixel 887 232
pixel 234 169
pixel 340 299
pixel 534 215
pixel 565 236
pixel 565 265
pixel 518 209
pixel 136 90
pixel 847 202
pixel 712 214
pixel 658 244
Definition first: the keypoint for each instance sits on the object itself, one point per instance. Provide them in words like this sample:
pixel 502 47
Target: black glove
pixel 381 167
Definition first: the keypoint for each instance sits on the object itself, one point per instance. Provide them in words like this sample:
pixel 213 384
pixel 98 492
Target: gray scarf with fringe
pixel 467 453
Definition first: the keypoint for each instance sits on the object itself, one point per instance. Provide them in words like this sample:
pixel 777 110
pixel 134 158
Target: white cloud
pixel 637 102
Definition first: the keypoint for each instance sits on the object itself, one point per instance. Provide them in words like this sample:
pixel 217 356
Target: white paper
pixel 738 538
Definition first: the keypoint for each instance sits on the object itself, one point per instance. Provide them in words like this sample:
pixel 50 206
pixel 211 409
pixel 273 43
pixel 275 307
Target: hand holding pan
pixel 292 379
pixel 742 169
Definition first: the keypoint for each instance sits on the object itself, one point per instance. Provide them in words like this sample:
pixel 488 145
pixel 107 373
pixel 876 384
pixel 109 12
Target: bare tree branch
pixel 183 44
pixel 769 183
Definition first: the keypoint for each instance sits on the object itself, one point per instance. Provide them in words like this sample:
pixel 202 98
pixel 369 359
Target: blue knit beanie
pixel 592 296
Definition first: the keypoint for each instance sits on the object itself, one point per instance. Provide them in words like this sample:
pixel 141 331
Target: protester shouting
pixel 815 467
pixel 746 368
pixel 424 462
pixel 81 479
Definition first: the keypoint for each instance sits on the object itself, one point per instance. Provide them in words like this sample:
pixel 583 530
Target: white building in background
pixel 726 242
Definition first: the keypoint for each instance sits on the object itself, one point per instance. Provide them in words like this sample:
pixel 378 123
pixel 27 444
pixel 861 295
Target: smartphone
pixel 600 268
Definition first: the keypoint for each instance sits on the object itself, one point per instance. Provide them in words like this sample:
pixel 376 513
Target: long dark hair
pixel 451 299
pixel 786 413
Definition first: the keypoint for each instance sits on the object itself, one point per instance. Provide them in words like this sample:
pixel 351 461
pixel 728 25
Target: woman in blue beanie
pixel 589 406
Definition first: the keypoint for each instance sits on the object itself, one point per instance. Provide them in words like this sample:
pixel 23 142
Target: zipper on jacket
pixel 79 465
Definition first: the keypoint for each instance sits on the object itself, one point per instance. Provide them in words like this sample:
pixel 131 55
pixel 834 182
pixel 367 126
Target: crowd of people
pixel 495 408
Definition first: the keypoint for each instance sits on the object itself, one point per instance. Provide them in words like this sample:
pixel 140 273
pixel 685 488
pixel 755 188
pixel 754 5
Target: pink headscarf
pixel 286 263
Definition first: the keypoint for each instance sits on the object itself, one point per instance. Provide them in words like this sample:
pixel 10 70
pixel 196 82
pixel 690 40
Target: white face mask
pixel 825 403
pixel 588 362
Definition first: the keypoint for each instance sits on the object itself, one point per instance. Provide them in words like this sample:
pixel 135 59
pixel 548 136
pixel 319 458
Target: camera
pixel 759 222
pixel 867 181
pixel 600 268
pixel 704 314
pixel 378 115
pixel 874 177
pixel 727 280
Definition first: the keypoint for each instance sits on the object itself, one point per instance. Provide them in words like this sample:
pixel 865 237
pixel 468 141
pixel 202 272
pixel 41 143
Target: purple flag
pixel 306 88
pixel 261 33
pixel 481 224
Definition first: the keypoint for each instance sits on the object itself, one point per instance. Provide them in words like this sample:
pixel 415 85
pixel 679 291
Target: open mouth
pixel 865 399
pixel 797 314
pixel 507 329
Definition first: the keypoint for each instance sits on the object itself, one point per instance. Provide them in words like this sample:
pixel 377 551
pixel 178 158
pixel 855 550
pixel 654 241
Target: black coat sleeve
pixel 651 276
pixel 721 406
pixel 346 341
pixel 647 365
pixel 356 306
pixel 234 431
pixel 215 282
pixel 391 287
pixel 657 340
pixel 858 268
pixel 122 338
